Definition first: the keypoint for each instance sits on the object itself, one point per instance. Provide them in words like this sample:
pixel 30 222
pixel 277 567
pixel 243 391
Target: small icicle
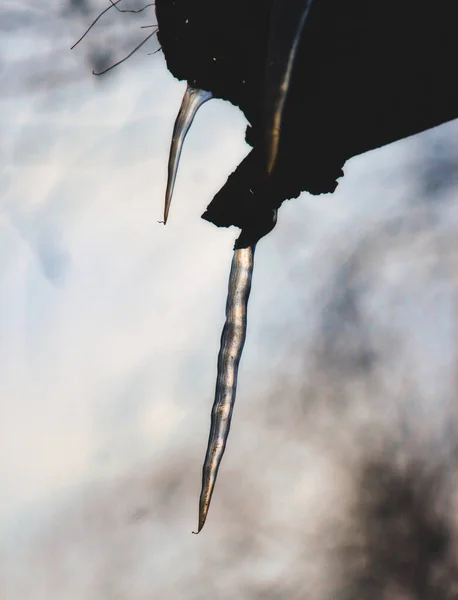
pixel 192 101
pixel 232 342
pixel 287 23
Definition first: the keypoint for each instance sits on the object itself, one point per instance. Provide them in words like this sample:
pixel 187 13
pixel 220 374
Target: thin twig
pixel 114 4
pixel 131 10
pixel 128 56
pixel 95 21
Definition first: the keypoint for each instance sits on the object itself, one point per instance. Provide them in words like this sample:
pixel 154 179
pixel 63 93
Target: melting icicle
pixel 192 101
pixel 230 352
pixel 232 342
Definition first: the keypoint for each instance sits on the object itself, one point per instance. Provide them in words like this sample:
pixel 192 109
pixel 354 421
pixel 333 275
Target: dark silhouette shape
pixel 366 74
pixel 319 81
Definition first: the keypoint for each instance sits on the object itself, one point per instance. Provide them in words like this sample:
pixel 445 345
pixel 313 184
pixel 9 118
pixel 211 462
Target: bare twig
pixel 114 4
pixel 94 22
pixel 129 55
pixel 131 10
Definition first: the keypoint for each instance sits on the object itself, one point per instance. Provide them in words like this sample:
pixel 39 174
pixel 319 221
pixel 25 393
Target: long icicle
pixel 232 342
pixel 192 101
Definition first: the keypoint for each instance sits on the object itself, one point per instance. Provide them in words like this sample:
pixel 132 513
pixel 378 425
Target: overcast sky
pixel 110 322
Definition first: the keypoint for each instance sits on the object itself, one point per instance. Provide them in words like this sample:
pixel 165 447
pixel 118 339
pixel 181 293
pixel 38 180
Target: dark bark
pixel 367 74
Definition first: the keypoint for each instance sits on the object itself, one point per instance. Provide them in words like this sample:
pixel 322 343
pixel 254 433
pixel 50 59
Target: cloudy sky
pixel 110 322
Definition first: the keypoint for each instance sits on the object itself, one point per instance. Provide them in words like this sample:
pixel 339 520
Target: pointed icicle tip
pixel 192 101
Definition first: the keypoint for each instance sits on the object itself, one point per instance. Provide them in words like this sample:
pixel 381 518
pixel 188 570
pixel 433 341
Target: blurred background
pixel 110 326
